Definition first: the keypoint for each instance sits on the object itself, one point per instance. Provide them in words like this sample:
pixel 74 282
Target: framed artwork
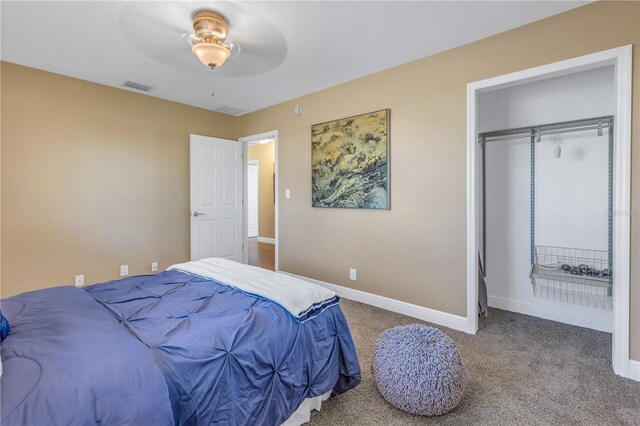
pixel 350 162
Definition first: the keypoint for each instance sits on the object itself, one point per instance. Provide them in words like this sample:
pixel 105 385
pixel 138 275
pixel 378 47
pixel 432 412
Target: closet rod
pixel 548 132
pixel 597 123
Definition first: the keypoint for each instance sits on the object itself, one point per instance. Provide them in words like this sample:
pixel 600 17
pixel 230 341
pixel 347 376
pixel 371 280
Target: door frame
pixel 621 59
pixel 273 134
pixel 257 164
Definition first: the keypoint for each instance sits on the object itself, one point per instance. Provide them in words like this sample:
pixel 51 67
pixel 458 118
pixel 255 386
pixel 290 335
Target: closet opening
pixel 549 183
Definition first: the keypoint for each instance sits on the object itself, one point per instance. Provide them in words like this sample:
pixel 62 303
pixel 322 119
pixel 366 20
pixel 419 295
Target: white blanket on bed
pixel 297 296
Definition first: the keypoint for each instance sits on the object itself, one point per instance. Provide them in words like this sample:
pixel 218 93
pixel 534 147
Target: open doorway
pixel 261 205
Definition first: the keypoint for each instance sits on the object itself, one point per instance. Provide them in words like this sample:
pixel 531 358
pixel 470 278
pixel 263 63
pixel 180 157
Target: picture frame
pixel 350 165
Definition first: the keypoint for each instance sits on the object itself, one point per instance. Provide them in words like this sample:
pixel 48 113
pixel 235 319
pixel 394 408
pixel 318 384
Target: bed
pixel 207 342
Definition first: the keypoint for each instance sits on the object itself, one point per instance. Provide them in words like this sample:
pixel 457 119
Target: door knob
pixel 196 214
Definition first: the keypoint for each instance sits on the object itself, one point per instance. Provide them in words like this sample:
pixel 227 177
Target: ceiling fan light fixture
pixel 210 33
pixel 211 54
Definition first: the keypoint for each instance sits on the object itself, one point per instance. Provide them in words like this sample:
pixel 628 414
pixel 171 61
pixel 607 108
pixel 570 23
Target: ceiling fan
pixel 208 41
pixel 164 31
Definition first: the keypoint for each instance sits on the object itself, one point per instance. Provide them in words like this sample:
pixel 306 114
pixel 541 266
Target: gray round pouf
pixel 418 370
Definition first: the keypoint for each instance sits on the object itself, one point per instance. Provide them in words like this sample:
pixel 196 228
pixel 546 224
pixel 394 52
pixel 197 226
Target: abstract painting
pixel 350 162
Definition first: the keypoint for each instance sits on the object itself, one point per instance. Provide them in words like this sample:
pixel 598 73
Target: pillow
pixel 4 327
pixel 4 330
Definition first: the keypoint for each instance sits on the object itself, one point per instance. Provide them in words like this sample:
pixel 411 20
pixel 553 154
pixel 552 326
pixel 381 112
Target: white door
pixel 252 198
pixel 216 193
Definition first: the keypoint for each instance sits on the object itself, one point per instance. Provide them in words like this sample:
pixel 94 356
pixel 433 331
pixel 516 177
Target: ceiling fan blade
pixel 234 47
pixel 188 40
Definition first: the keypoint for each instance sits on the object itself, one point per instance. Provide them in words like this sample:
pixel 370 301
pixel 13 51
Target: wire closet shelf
pixel 577 276
pixel 570 275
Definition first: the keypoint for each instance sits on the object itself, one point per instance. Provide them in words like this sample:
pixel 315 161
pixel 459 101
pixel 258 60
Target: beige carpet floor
pixel 522 370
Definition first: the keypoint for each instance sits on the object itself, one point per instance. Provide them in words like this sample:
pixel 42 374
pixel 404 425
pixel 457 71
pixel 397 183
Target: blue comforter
pixel 226 357
pixel 67 361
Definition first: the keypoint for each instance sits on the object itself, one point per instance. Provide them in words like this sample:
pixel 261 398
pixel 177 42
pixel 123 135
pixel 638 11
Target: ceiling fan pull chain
pixel 213 93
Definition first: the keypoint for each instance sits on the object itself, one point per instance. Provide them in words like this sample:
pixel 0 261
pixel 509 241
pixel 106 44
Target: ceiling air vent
pixel 137 86
pixel 229 110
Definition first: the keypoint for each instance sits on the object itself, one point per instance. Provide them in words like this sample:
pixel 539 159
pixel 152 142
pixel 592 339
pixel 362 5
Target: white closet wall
pixel 571 191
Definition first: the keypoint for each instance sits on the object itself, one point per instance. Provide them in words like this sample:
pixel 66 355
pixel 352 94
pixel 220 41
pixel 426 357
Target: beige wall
pixel 92 178
pixel 90 173
pixel 416 251
pixel 265 154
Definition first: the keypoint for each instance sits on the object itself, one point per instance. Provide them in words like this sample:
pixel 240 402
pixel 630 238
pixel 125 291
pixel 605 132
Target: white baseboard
pixel 634 370
pixel 425 314
pixel 573 318
pixel 266 240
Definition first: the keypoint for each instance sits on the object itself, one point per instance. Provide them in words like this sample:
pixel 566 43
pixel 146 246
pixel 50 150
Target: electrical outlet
pixel 353 274
pixel 79 280
pixel 124 270
pixel 154 267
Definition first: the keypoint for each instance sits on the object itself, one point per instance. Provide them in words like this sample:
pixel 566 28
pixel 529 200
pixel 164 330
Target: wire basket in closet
pixel 569 275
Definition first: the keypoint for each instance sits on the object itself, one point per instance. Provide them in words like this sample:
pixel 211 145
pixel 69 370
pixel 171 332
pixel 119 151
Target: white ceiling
pixel 289 49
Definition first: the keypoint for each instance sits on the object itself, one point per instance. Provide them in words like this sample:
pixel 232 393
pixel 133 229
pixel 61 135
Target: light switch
pixel 287 193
